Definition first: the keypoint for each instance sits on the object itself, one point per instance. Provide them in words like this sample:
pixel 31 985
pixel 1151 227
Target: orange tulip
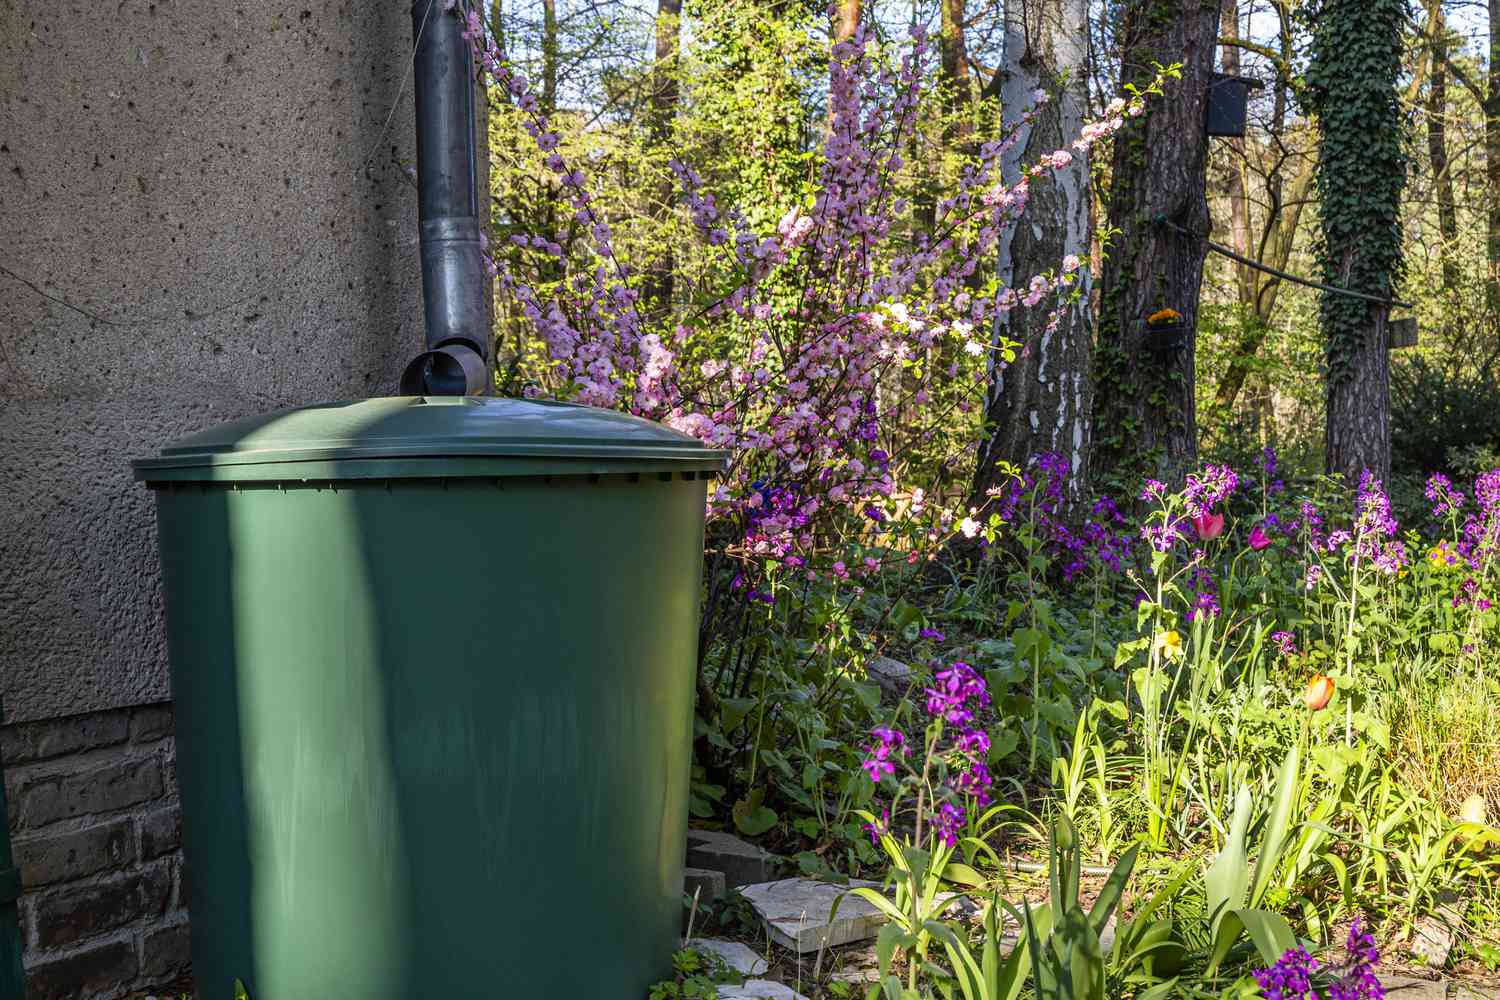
pixel 1319 690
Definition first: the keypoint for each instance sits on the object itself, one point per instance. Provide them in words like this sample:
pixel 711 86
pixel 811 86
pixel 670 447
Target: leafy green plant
pixel 696 977
pixel 1233 889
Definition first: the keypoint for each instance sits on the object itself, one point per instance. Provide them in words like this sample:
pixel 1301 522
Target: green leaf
pixel 1270 932
pixel 732 712
pixel 750 817
pixel 1227 878
pixel 1114 888
pixel 1273 844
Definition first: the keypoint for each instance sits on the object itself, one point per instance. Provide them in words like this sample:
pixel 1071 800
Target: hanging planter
pixel 1165 331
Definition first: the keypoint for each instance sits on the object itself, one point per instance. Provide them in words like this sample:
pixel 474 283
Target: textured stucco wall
pixel 200 218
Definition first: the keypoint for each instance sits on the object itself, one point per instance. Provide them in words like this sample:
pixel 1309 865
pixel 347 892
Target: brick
pixel 27 742
pixel 48 797
pixel 74 913
pixel 151 723
pixel 167 953
pixel 161 832
pixel 46 858
pixel 90 969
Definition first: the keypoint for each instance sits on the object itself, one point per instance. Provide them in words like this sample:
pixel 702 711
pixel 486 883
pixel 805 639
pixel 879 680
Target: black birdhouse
pixel 1227 98
pixel 1403 332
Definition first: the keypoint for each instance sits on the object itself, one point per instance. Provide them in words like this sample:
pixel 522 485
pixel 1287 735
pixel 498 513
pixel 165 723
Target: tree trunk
pixel 1040 404
pixel 1239 205
pixel 954 67
pixel 1280 236
pixel 1144 412
pixel 845 15
pixel 1492 163
pixel 1437 145
pixel 549 57
pixel 846 20
pixel 1278 233
pixel 665 95
pixel 1359 408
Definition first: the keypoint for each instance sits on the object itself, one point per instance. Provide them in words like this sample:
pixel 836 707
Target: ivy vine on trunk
pixel 1356 60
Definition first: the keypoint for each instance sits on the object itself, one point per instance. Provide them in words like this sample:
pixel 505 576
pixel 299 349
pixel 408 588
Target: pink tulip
pixel 1259 539
pixel 1209 526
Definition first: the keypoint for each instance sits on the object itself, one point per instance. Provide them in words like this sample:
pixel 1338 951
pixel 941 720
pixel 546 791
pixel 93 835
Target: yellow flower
pixel 1168 644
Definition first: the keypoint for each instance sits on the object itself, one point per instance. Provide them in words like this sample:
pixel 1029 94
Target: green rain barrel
pixel 432 665
pixel 10 894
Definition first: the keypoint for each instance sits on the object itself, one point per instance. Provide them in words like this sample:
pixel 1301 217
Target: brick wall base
pixel 96 829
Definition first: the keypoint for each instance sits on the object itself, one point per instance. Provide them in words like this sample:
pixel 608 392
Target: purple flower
pixel 1155 489
pixel 1445 499
pixel 889 743
pixel 1208 489
pixel 1285 642
pixel 1160 536
pixel 1268 461
pixel 1356 978
pixel 1204 602
pixel 931 633
pixel 975 742
pixel 946 823
pixel 956 687
pixel 975 782
pixel 1290 978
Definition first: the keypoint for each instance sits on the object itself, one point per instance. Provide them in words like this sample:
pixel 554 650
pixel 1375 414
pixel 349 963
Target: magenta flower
pixel 1259 540
pixel 956 687
pixel 889 743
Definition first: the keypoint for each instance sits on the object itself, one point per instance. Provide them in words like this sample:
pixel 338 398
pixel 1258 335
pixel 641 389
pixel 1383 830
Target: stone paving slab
pixel 738 956
pixel 707 883
pixel 742 862
pixel 799 913
pixel 759 989
pixel 1407 988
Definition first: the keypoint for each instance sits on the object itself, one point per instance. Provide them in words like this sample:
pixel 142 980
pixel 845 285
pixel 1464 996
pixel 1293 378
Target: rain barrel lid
pixel 421 436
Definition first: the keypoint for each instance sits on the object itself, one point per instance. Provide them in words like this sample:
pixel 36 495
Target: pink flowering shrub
pixel 840 358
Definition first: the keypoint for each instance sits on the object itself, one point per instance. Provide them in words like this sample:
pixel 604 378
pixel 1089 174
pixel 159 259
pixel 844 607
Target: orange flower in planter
pixel 1319 690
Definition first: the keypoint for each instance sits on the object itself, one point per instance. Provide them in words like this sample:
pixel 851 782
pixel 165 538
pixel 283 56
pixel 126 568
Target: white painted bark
pixel 1042 402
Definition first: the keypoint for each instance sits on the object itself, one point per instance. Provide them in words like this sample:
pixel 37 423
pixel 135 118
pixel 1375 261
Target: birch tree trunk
pixel 1041 403
pixel 1144 409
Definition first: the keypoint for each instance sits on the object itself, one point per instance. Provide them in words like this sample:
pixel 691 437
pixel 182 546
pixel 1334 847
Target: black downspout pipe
pixel 454 283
